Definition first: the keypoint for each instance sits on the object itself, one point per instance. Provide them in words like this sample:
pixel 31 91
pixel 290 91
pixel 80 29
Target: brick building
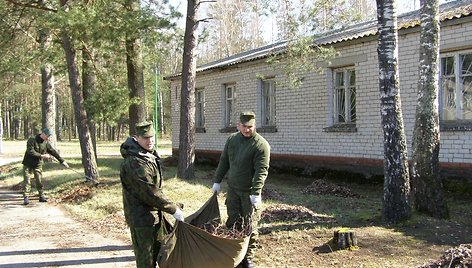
pixel 333 119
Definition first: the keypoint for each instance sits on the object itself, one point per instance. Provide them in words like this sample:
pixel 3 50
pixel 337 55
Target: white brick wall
pixel 303 113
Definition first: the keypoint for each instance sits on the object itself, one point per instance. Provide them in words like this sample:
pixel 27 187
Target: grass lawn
pixel 299 218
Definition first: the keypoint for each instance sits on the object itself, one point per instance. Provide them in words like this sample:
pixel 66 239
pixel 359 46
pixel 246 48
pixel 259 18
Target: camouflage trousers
pixel 38 176
pixel 146 245
pixel 243 214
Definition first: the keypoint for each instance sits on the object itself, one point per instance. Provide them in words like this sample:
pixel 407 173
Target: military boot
pixel 247 263
pixel 25 200
pixel 42 198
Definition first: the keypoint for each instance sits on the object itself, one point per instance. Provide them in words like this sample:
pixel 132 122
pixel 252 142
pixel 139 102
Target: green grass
pixel 286 243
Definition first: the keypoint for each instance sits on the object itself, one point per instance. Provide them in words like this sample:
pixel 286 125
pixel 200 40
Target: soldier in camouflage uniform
pixel 245 162
pixel 37 150
pixel 143 199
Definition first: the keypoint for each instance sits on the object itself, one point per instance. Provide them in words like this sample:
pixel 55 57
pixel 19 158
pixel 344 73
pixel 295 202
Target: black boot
pixel 25 200
pixel 42 198
pixel 247 263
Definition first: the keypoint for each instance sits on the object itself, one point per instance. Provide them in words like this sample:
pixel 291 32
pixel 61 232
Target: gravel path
pixel 42 235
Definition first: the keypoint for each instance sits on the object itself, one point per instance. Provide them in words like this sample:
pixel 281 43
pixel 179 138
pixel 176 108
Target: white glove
pixel 216 187
pixel 256 200
pixel 65 164
pixel 178 215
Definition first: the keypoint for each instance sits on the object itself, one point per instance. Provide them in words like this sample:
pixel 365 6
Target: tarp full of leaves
pixel 188 246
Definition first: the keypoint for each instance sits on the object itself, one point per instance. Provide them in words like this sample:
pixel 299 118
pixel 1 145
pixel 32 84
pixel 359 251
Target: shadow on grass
pixel 336 211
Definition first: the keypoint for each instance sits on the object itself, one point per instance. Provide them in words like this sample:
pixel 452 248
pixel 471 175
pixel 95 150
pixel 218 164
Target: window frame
pixel 268 102
pixel 349 92
pixel 458 123
pixel 200 110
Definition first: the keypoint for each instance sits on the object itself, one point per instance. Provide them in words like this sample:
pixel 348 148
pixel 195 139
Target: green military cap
pixel 247 118
pixel 47 131
pixel 145 129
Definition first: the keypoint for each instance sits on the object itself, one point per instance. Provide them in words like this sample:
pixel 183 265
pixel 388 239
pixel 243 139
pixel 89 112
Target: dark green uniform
pixel 143 200
pixel 245 161
pixel 33 162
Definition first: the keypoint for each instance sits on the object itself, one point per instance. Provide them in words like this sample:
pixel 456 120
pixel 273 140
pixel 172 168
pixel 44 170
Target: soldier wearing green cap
pixel 38 149
pixel 245 162
pixel 143 198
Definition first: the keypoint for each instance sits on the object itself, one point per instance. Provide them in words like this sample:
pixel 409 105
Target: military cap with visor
pixel 145 129
pixel 247 118
pixel 47 131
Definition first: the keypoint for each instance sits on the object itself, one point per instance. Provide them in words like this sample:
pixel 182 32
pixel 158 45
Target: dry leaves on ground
pixel 272 194
pixel 458 257
pixel 76 194
pixel 282 212
pixel 324 187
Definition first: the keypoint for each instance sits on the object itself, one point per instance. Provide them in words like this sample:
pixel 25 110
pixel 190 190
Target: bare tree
pixel 425 178
pixel 186 169
pixel 396 198
pixel 235 26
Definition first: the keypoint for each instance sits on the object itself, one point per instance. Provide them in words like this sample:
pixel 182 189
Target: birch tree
pixel 425 178
pixel 186 168
pixel 396 198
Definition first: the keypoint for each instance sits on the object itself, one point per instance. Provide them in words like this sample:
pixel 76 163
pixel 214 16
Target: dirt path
pixel 42 235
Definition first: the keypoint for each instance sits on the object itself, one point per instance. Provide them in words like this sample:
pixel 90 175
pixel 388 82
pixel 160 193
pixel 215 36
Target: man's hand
pixel 65 164
pixel 45 157
pixel 178 215
pixel 216 187
pixel 256 200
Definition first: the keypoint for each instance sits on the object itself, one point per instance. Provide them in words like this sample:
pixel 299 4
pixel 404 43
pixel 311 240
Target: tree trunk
pixel 396 199
pixel 48 101
pixel 88 157
pixel 426 180
pixel 88 84
pixel 58 119
pixel 134 65
pixel 1 128
pixel 186 168
pixel 345 238
pixel 17 121
pixel 48 114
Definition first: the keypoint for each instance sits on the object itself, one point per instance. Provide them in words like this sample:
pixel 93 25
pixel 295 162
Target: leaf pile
pixel 272 194
pixel 216 228
pixel 282 212
pixel 323 187
pixel 458 257
pixel 7 169
pixel 77 194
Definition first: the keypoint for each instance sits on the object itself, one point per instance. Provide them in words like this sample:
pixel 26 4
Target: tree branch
pixel 35 5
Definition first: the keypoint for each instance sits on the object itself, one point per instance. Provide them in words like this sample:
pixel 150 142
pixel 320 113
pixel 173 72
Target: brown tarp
pixel 188 246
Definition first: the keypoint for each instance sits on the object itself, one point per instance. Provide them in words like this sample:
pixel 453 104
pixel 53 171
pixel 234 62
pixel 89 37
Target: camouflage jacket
pixel 141 185
pixel 35 147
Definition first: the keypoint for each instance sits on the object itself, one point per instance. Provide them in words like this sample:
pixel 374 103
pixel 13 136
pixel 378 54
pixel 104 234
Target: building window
pixel 344 96
pixel 229 105
pixel 342 83
pixel 268 102
pixel 199 109
pixel 456 89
